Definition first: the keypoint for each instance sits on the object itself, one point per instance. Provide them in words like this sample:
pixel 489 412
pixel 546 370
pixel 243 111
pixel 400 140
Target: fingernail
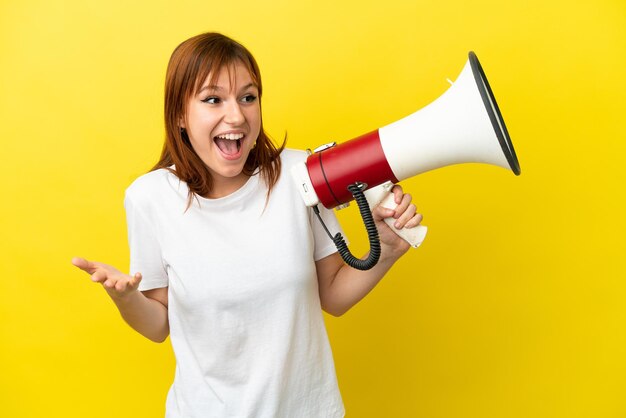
pixel 397 225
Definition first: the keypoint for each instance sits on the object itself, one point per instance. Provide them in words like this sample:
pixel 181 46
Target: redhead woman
pixel 227 260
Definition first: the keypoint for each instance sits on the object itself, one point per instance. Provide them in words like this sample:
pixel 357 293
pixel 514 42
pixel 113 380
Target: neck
pixel 223 187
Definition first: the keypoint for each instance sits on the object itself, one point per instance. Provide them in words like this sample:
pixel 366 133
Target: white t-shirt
pixel 245 319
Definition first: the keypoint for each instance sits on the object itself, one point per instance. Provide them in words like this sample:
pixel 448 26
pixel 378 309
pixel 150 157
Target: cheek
pixel 197 147
pixel 198 138
pixel 199 128
pixel 254 119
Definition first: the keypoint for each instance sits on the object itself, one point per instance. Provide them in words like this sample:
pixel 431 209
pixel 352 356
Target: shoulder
pixel 149 185
pixel 291 156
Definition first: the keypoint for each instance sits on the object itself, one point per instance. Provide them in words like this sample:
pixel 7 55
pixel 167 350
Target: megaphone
pixel 464 125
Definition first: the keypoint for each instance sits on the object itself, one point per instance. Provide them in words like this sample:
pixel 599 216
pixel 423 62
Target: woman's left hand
pixel 405 215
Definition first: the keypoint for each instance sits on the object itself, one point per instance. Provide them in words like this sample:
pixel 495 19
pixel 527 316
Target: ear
pixel 182 119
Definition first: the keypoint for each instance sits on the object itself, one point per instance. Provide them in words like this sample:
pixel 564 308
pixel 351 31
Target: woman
pixel 233 266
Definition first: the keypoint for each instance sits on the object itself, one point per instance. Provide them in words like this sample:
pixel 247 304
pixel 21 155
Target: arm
pixel 340 286
pixel 145 312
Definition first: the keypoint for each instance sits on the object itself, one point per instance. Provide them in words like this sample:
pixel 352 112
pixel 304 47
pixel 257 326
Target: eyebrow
pixel 218 88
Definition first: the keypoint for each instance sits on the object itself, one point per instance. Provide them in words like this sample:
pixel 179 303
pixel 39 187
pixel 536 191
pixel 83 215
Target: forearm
pixel 350 285
pixel 146 316
pixel 340 286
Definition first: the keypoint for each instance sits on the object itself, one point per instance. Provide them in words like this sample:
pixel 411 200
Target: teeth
pixel 232 137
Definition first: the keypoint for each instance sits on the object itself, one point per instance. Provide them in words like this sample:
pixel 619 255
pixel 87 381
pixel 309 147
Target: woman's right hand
pixel 117 284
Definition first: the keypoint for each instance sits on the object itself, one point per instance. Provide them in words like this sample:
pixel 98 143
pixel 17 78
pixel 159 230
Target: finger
pixel 84 265
pixel 121 285
pixel 109 283
pixel 397 193
pixel 405 216
pixel 403 205
pixel 100 276
pixel 414 221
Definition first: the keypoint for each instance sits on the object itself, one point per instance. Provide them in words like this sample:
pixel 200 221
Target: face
pixel 223 122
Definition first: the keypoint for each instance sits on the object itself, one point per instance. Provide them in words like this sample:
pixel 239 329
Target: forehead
pixel 229 76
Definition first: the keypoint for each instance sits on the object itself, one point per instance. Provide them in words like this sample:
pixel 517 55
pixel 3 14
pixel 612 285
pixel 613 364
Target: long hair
pixel 189 66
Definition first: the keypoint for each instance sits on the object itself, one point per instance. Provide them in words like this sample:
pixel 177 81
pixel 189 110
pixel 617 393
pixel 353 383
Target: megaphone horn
pixel 464 125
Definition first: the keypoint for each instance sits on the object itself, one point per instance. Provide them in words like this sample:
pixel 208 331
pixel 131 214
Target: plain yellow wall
pixel 513 307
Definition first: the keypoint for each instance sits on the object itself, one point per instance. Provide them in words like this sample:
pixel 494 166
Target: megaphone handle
pixel 383 196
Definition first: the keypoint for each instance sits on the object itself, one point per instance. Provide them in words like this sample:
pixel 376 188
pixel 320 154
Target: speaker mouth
pixel 497 121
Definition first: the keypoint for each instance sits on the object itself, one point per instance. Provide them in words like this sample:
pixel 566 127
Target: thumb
pixel 136 279
pixel 380 212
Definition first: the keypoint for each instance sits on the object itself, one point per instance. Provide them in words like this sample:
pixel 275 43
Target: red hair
pixel 190 65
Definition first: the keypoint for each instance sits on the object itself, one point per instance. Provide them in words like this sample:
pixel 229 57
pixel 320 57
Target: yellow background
pixel 513 307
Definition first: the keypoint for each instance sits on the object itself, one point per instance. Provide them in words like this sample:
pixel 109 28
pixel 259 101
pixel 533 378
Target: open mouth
pixel 229 144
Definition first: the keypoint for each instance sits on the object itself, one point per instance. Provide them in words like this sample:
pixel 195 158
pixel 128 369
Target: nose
pixel 233 114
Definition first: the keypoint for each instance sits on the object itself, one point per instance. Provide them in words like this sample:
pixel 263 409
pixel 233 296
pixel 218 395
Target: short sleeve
pixel 324 245
pixel 145 250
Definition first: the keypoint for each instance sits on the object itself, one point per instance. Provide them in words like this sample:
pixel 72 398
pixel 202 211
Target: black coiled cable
pixel 372 232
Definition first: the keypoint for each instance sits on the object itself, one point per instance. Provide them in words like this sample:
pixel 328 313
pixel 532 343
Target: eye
pixel 211 100
pixel 248 98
